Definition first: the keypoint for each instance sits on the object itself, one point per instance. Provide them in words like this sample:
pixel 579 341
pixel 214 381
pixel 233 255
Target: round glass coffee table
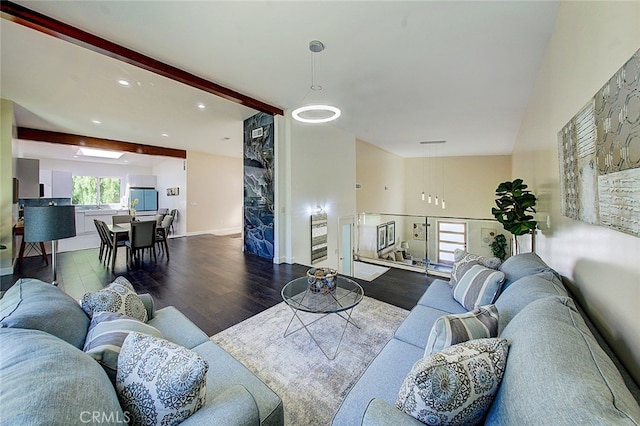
pixel 340 301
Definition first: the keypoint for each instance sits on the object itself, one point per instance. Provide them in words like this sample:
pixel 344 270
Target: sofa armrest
pixel 235 406
pixel 147 301
pixel 380 412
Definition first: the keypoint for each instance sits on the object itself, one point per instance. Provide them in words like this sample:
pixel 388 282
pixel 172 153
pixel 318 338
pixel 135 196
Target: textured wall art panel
pixel 600 155
pixel 319 230
pixel 258 185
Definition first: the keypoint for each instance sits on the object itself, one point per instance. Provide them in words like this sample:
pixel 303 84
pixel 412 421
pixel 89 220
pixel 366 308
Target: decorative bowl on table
pixel 322 280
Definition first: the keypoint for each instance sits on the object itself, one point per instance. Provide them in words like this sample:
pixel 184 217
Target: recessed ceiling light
pixel 124 83
pixel 96 121
pixel 90 152
pixel 125 161
pixel 201 105
pixel 165 135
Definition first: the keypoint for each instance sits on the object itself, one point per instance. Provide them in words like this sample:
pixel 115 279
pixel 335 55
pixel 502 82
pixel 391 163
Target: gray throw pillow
pixel 119 296
pixel 37 305
pixel 159 382
pixel 477 287
pixel 457 385
pixel 107 333
pixel 452 329
pixel 462 261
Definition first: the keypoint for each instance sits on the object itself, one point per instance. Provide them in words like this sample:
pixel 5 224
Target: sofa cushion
pixel 453 329
pixel 119 296
pixel 456 385
pixel 478 286
pixel 462 261
pixel 416 327
pixel 556 369
pixel 438 296
pixel 41 306
pixel 159 382
pixel 524 264
pixel 46 381
pixel 524 291
pixel 106 335
pixel 177 328
pixel 225 371
pixel 382 379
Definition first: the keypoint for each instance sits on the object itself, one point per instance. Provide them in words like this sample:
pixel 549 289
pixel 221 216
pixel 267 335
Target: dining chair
pixel 107 237
pixel 103 242
pixel 142 236
pixel 174 214
pixel 120 218
pixel 162 233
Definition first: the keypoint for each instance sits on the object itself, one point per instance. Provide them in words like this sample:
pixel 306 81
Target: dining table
pixel 115 231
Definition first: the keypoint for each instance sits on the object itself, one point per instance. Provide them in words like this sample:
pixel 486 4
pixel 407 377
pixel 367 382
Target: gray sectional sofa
pixel 556 372
pixel 46 378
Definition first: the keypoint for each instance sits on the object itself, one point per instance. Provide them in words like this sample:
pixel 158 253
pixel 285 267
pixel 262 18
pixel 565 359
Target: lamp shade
pixel 49 223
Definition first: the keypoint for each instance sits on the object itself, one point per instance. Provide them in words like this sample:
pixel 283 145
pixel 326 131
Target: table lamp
pixel 49 223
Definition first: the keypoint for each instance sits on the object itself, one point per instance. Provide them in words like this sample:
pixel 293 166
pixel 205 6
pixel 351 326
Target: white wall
pixel 590 42
pixel 171 173
pixel 321 173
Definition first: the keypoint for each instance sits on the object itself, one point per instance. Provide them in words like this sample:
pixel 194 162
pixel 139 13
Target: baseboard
pixel 227 231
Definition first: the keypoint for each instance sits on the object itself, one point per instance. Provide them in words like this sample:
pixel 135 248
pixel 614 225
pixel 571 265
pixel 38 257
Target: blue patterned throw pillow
pixel 457 385
pixel 119 296
pixel 159 382
pixel 452 329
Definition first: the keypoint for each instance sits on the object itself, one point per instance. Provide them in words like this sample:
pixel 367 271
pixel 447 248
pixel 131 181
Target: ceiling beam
pixel 26 133
pixel 47 25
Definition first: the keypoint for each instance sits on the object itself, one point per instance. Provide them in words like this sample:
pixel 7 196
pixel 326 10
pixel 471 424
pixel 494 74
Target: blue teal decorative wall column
pixel 258 185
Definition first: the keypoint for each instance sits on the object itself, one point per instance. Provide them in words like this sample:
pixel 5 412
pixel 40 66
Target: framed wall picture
pixel 382 236
pixel 391 234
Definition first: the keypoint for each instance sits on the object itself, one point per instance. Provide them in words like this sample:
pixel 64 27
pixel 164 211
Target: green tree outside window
pixel 109 191
pixel 92 190
pixel 85 190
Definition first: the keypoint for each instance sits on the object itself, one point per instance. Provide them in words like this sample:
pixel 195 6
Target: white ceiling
pixel 402 72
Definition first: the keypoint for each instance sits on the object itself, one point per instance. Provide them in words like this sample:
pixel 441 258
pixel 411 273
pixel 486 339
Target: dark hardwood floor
pixel 208 278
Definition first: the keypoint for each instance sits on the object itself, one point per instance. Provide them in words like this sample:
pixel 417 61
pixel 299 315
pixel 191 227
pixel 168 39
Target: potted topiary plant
pixel 515 203
pixel 499 247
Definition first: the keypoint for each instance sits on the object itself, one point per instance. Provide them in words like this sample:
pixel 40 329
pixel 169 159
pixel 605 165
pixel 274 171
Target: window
pixel 451 236
pixel 90 190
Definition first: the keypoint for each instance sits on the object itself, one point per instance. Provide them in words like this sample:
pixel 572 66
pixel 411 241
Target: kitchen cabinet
pixel 141 181
pixel 28 174
pixel 61 184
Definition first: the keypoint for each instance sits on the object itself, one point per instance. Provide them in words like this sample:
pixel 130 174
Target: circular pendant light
pixel 319 114
pixel 315 113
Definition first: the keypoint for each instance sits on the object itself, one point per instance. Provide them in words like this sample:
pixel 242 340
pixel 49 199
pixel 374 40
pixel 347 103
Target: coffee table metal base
pixel 347 321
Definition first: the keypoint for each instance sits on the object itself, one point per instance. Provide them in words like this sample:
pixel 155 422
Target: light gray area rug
pixel 311 386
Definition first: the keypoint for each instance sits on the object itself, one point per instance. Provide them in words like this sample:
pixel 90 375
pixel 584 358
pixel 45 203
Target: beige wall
pixel 381 176
pixel 6 186
pixel 467 184
pixel 590 42
pixel 214 193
